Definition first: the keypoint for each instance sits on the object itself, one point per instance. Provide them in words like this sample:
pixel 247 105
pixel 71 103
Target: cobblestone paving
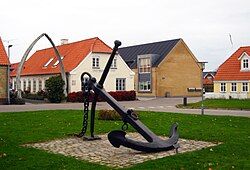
pixel 102 152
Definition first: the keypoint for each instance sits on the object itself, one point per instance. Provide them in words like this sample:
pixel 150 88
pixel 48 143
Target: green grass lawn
pixel 221 104
pixel 28 127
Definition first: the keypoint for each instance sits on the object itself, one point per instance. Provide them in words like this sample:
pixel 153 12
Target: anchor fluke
pixel 118 138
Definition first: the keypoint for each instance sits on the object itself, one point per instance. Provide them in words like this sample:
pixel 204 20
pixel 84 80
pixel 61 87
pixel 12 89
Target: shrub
pixel 33 97
pixel 14 99
pixel 54 89
pixel 108 115
pixel 123 95
pixel 41 93
pixel 72 97
pixel 118 95
pixel 18 101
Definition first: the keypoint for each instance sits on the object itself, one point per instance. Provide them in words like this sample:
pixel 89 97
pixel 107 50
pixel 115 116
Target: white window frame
pixel 24 85
pixel 40 85
pixel 34 85
pixel 120 84
pixel 245 63
pixel 144 67
pixel 145 86
pixel 96 62
pixel 114 63
pixel 46 64
pixel 57 62
pixel 223 87
pixel 29 85
pixel 15 85
pixel 233 87
pixel 245 87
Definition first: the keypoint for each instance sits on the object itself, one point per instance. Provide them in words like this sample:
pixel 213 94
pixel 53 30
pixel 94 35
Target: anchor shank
pixel 137 124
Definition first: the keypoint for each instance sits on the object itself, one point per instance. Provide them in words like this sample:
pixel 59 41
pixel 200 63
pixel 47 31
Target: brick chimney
pixel 64 41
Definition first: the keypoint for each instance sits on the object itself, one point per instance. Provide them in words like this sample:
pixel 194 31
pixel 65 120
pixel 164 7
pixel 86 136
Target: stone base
pixel 102 152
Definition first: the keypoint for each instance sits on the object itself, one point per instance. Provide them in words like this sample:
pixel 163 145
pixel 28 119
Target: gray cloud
pixel 204 25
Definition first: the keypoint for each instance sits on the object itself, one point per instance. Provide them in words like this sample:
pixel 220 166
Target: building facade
pixel 163 69
pixel 89 55
pixel 4 66
pixel 233 76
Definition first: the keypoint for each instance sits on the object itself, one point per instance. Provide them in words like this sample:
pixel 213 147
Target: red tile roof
pixel 72 53
pixel 4 60
pixel 230 69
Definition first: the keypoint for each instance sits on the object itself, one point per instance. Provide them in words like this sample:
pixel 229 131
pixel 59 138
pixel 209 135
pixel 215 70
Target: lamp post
pixel 202 66
pixel 8 76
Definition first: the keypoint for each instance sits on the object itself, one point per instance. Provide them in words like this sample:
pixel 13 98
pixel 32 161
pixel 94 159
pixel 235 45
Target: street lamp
pixel 8 76
pixel 202 66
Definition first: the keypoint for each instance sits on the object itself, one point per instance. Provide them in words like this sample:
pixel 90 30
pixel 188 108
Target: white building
pixel 89 55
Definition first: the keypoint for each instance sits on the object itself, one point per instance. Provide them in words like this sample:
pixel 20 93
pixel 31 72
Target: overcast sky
pixel 204 25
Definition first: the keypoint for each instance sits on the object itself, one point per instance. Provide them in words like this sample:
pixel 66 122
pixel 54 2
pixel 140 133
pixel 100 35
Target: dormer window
pixel 244 60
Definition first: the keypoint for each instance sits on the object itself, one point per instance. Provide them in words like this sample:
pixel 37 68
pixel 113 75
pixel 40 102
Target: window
pixel 46 65
pixel 55 64
pixel 245 87
pixel 223 87
pixel 233 87
pixel 120 84
pixel 113 65
pixel 145 86
pixel 14 85
pixel 245 63
pixel 73 82
pixel 29 85
pixel 24 85
pixel 34 85
pixel 40 85
pixel 95 62
pixel 144 65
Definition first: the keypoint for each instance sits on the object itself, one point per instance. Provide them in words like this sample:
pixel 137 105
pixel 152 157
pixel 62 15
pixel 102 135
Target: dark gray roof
pixel 158 51
pixel 205 73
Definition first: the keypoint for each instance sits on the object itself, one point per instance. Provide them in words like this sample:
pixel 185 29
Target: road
pixel 153 104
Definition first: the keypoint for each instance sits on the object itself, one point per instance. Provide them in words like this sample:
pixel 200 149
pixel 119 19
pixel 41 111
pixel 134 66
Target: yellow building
pixel 233 76
pixel 166 68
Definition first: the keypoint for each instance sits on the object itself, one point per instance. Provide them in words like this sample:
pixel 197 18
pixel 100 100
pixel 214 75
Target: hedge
pixel 118 95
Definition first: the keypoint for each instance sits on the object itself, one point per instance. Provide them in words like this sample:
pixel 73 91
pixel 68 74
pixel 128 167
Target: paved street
pixel 153 104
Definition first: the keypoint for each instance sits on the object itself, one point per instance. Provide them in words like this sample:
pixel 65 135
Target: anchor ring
pixel 125 127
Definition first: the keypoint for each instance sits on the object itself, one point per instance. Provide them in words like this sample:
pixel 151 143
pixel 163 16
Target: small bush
pixel 17 101
pixel 41 93
pixel 108 115
pixel 14 99
pixel 33 97
pixel 72 97
pixel 54 89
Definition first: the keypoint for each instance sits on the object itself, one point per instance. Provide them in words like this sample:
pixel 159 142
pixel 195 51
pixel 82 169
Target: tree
pixel 54 87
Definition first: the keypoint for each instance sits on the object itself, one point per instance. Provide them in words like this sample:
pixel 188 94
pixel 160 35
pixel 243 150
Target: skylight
pixel 55 64
pixel 46 65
